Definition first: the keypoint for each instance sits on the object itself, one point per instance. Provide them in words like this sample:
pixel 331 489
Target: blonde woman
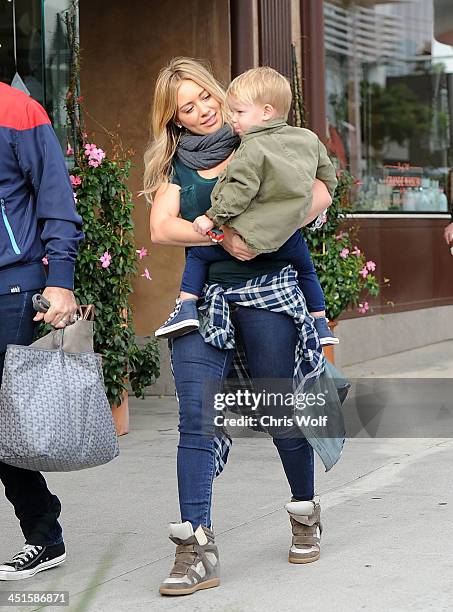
pixel 192 143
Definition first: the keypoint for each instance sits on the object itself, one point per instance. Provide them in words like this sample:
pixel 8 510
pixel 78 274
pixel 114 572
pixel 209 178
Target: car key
pixel 40 304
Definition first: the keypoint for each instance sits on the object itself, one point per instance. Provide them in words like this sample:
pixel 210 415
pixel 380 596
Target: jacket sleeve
pixel 43 165
pixel 326 171
pixel 234 191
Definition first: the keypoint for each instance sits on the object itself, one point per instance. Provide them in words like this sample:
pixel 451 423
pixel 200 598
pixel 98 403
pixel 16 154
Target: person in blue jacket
pixel 37 219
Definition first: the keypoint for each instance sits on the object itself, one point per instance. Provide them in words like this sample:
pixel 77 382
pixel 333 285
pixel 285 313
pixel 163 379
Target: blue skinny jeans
pixel 269 340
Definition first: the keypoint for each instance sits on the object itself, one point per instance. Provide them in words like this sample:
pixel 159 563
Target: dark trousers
pixel 35 506
pixel 295 250
pixel 269 340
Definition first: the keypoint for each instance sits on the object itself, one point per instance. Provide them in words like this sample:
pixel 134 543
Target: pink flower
pixel 146 274
pixel 105 259
pixel 340 235
pixel 364 272
pixel 344 253
pixel 69 150
pixel 371 265
pixel 363 308
pixel 95 155
pixel 324 218
pixel 45 261
pixel 75 180
pixel 142 252
pixel 356 251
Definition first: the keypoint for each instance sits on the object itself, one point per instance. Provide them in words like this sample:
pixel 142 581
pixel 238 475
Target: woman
pixel 192 144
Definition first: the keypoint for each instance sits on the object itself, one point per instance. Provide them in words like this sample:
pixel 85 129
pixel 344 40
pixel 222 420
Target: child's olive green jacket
pixel 266 190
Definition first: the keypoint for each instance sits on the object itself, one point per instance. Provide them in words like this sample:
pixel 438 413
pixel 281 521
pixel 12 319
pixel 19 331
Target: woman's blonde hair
pixel 164 132
pixel 262 85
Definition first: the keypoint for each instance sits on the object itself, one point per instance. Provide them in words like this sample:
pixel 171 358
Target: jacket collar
pixel 272 125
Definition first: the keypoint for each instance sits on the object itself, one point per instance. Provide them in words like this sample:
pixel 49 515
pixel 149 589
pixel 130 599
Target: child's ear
pixel 268 112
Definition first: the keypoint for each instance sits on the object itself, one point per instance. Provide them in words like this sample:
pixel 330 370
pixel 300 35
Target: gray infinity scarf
pixel 204 152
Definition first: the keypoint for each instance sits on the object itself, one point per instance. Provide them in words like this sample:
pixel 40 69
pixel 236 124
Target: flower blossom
pixel 75 180
pixel 146 274
pixel 95 155
pixel 105 259
pixel 356 251
pixel 363 308
pixel 364 272
pixel 344 253
pixel 371 266
pixel 142 252
pixel 69 150
pixel 340 235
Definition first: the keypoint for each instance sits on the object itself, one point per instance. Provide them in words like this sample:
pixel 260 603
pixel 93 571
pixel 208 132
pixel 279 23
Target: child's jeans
pixel 295 251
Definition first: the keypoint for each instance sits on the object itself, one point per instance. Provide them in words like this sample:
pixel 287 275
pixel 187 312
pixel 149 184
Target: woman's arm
pixel 165 224
pixel 168 228
pixel 321 200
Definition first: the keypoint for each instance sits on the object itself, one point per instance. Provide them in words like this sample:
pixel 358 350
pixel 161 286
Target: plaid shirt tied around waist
pixel 278 292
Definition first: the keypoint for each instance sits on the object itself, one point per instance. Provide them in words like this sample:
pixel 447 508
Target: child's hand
pixel 202 224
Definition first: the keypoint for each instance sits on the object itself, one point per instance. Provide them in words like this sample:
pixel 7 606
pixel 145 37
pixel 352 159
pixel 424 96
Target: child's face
pixel 245 114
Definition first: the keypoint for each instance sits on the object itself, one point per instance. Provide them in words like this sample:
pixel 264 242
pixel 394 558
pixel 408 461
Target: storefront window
pixel 389 89
pixel 34 55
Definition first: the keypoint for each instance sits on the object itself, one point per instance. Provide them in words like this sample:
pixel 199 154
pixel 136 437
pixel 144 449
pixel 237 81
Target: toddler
pixel 264 194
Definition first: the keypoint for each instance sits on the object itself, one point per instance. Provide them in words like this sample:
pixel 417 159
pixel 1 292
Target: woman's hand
pixel 321 200
pixel 235 246
pixel 448 233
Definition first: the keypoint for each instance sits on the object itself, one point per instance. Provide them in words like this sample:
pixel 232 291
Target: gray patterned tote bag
pixel 54 413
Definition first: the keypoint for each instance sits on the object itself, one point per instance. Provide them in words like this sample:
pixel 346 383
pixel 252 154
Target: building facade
pixel 377 82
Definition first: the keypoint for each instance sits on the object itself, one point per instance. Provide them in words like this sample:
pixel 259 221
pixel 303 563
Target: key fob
pixel 40 304
pixel 216 235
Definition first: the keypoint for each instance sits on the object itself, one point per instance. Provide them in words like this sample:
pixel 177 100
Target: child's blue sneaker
pixel 183 320
pixel 326 337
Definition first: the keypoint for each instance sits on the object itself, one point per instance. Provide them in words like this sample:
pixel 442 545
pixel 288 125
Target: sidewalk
pixel 387 510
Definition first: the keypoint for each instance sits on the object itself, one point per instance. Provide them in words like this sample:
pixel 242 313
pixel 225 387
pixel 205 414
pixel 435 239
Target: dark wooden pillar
pixel 275 35
pixel 242 36
pixel 313 69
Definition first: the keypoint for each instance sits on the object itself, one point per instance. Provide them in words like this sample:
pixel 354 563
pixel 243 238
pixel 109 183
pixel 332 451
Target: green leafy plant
pixel 108 259
pixel 344 273
pixel 105 267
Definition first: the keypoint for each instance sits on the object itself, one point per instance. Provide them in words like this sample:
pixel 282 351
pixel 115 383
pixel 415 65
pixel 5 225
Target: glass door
pixel 20 45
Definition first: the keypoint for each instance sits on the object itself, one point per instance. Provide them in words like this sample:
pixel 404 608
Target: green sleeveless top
pixel 195 199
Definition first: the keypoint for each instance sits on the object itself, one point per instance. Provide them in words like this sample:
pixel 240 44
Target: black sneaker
pixel 183 320
pixel 326 337
pixel 31 560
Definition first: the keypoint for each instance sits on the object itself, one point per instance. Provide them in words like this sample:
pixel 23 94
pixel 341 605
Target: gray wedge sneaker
pixel 305 517
pixel 196 561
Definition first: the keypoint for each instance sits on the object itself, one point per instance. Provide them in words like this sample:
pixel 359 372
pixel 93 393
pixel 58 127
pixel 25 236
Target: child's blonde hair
pixel 262 85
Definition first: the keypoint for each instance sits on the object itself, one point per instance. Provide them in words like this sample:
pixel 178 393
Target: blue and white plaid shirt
pixel 278 292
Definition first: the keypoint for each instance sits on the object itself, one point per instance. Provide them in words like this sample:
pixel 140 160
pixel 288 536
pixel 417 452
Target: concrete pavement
pixel 387 511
